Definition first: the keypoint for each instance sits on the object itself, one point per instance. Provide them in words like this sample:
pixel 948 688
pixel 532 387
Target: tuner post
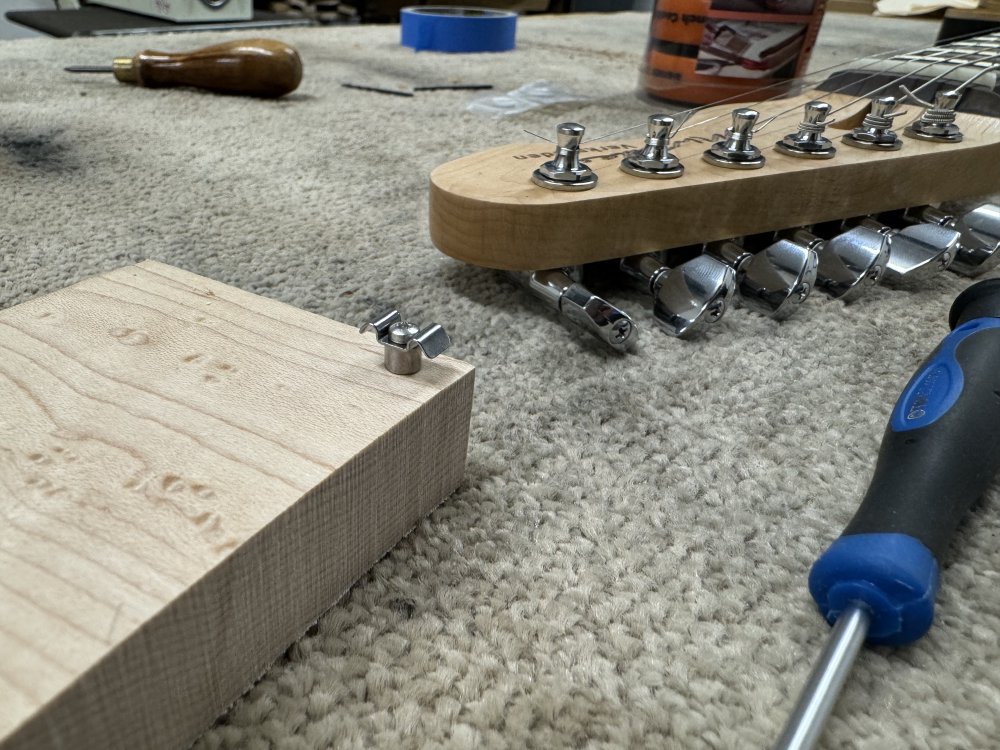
pixel 654 160
pixel 875 131
pixel 736 151
pixel 809 142
pixel 937 123
pixel 565 171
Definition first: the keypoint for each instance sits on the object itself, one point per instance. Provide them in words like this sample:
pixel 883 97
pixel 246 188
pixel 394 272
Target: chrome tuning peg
pixel 776 279
pixel 875 131
pixel 978 248
pixel 809 142
pixel 404 342
pixel 598 317
pixel 736 151
pixel 937 123
pixel 917 251
pixel 687 298
pixel 654 159
pixel 566 171
pixel 850 262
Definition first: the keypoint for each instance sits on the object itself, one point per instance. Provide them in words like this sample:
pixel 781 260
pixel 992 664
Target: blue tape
pixel 454 29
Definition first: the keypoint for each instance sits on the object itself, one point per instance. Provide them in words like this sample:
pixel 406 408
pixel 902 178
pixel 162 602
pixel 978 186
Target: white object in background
pixel 190 11
pixel 919 7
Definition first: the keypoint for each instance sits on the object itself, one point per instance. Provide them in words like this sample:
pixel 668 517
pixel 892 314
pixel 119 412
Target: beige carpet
pixel 625 564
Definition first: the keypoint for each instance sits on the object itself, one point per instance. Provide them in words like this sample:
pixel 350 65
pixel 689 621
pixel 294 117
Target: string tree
pixel 404 343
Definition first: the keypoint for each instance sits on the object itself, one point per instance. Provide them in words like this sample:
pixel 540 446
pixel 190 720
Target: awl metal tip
pixel 89 69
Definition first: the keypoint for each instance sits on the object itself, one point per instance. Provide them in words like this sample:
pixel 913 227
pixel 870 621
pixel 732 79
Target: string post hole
pixel 654 160
pixel 808 142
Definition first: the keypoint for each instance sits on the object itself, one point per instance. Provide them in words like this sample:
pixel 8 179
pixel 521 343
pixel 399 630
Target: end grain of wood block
pixel 189 476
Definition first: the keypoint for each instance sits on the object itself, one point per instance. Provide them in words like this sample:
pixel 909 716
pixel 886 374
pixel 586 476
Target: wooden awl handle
pixel 248 67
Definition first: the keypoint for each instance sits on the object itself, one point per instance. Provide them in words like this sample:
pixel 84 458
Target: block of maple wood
pixel 189 476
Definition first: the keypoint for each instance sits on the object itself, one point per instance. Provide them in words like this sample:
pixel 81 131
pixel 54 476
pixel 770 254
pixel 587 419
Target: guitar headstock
pixel 486 210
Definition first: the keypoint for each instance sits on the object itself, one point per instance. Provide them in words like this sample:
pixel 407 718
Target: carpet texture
pixel 625 563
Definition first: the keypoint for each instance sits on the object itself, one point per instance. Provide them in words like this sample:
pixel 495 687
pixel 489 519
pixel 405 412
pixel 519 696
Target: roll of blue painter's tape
pixel 454 29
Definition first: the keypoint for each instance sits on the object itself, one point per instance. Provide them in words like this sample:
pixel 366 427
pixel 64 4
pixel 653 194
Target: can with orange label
pixel 701 51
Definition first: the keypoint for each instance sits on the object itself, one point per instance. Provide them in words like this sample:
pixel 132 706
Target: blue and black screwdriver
pixel 877 582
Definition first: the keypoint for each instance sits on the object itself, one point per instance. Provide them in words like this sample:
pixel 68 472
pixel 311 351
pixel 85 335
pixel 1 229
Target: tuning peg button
pixel 687 298
pixel 598 317
pixel 851 262
pixel 917 251
pixel 978 248
pixel 776 279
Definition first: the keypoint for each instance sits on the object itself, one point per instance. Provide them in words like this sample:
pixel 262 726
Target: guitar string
pixel 801 82
pixel 957 66
pixel 895 81
pixel 795 83
pixel 877 73
pixel 901 52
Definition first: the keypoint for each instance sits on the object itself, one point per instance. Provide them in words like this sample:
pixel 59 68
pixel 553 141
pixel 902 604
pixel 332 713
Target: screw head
pixel 401 332
pixel 621 331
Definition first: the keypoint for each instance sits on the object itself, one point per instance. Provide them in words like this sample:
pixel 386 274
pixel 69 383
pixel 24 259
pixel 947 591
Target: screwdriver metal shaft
pixel 819 696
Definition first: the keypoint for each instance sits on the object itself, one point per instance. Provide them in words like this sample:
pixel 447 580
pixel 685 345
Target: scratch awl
pixel 248 67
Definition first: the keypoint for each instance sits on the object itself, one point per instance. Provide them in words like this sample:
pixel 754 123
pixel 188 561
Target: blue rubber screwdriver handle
pixel 940 452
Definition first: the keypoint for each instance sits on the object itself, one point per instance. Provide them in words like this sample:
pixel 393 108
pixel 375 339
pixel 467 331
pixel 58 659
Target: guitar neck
pixel 945 66
pixel 485 210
